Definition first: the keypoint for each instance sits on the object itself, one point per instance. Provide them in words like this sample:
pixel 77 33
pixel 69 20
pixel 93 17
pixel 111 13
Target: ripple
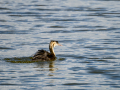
pixel 6 26
pixel 1 8
pixel 74 84
pixel 57 27
pixel 19 60
pixel 5 48
pixel 10 84
pixel 14 32
pixel 75 68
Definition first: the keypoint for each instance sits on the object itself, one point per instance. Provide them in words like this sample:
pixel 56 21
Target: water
pixel 89 31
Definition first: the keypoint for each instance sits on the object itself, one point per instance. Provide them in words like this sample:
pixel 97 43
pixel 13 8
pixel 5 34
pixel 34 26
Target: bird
pixel 43 55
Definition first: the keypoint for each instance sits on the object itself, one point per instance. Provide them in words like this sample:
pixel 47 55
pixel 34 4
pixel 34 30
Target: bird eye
pixel 56 41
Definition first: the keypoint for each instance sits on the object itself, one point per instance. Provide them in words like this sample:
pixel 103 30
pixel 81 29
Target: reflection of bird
pixel 42 55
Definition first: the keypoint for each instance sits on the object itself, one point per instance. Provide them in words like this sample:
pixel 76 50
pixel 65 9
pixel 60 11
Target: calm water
pixel 89 31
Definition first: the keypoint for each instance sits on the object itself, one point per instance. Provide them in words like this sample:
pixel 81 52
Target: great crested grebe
pixel 42 55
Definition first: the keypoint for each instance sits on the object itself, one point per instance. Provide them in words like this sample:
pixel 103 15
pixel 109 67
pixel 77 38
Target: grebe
pixel 42 55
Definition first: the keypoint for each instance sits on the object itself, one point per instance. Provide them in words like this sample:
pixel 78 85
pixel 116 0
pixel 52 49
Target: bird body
pixel 42 55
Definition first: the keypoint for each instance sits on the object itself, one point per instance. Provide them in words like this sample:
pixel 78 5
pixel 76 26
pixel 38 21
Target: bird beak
pixel 60 45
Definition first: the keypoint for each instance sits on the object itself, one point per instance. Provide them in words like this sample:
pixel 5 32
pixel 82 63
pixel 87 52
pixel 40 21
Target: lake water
pixel 89 31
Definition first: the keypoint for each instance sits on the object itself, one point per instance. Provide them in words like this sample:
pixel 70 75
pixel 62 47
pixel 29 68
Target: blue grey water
pixel 89 31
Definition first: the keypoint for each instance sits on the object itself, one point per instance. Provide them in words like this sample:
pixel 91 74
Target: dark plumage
pixel 42 55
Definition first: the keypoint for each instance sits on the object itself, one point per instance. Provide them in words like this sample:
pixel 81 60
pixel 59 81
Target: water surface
pixel 89 31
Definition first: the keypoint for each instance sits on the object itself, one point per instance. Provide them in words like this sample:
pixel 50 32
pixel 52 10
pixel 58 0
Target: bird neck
pixel 51 50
